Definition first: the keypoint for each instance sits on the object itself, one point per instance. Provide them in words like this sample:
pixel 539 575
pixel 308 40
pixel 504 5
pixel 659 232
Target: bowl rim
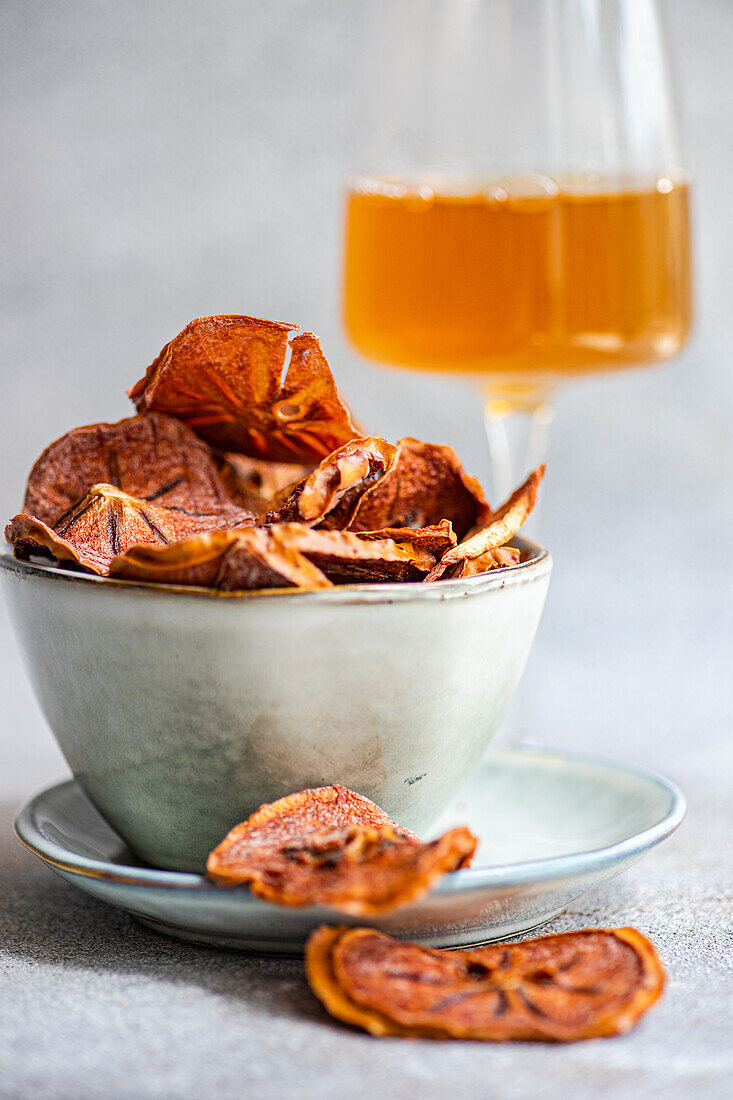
pixel 533 569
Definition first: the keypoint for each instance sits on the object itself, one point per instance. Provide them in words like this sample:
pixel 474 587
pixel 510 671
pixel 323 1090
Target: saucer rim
pixel 519 873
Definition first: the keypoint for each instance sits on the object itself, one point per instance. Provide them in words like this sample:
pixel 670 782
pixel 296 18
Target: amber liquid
pixel 523 284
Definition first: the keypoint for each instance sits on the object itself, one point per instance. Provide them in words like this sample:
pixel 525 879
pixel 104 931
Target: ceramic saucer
pixel 552 825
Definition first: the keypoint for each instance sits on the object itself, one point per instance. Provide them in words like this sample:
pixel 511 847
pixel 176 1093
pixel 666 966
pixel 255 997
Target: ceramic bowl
pixel 179 711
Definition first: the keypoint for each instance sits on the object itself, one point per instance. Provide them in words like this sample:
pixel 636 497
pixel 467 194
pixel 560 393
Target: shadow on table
pixel 45 920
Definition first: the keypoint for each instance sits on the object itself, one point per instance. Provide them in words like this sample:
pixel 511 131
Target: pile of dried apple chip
pixel 332 847
pixel 233 477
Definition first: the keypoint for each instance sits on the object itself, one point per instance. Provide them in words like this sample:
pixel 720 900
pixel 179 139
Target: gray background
pixel 166 160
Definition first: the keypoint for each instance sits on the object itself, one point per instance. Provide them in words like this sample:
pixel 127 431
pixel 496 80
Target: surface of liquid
pixel 524 280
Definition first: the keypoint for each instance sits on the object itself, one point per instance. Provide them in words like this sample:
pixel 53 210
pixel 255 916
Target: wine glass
pixel 518 213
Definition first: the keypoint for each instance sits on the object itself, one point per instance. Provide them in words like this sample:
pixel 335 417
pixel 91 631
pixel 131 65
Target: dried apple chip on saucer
pixel 330 495
pixel 107 522
pixel 152 457
pixel 479 552
pixel 426 484
pixel 330 846
pixel 222 376
pixel 562 988
pixel 230 561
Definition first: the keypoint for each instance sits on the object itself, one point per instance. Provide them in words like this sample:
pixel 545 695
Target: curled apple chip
pixel 330 846
pixel 230 561
pixel 330 495
pixel 478 552
pixel 436 539
pixel 222 376
pixel 152 457
pixel 575 985
pixel 107 522
pixel 425 485
pixel 499 558
pixel 348 558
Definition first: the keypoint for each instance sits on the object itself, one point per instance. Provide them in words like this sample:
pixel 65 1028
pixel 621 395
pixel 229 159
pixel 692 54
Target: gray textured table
pixel 170 160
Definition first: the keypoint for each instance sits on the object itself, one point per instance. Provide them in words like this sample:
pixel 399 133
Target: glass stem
pixel 518 438
pixel 518 442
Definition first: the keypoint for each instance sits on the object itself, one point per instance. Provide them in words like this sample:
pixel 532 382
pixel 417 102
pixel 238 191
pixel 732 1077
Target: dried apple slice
pixel 348 558
pixel 151 457
pixel 221 375
pixel 436 539
pixel 330 846
pixel 426 484
pixel 254 483
pixel 230 561
pixel 107 522
pixel 477 553
pixel 575 985
pixel 311 406
pixel 499 558
pixel 329 496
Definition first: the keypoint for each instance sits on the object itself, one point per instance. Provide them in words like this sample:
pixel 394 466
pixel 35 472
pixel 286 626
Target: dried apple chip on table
pixel 107 522
pixel 151 456
pixel 426 484
pixel 222 376
pixel 330 846
pixel 575 985
pixel 478 552
pixel 230 561
pixel 330 495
